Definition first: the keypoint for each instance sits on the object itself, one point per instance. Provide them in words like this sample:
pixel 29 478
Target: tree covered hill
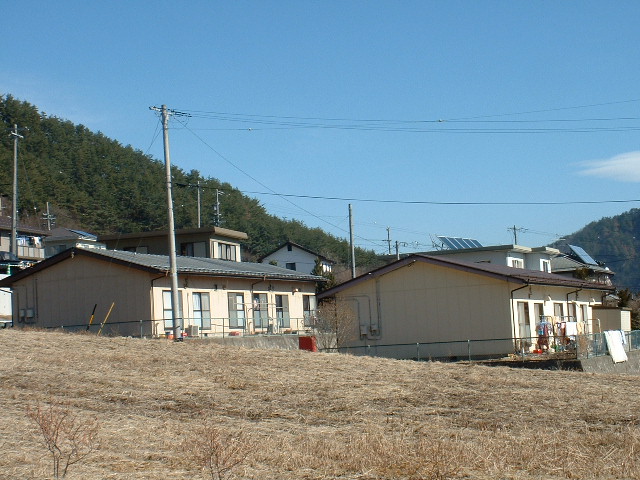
pixel 616 242
pixel 94 183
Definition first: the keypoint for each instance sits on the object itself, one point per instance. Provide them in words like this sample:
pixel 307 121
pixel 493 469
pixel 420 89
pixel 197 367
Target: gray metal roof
pixel 160 264
pixel 208 266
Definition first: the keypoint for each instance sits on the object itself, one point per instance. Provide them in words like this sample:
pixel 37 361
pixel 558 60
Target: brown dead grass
pixel 312 416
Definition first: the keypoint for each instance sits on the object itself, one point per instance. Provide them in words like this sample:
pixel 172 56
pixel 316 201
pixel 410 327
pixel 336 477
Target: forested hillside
pixel 94 183
pixel 614 241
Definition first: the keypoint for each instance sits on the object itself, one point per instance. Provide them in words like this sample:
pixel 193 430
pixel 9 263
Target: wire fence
pixel 580 346
pixel 192 327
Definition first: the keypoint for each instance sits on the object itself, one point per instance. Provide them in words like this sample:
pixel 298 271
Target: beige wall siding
pixel 66 293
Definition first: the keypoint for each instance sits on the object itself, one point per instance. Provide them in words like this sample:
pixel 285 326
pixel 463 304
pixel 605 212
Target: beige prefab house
pixel 130 293
pixel 427 306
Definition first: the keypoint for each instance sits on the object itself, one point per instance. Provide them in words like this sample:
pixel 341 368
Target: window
pixel 558 310
pixel 571 311
pixel 289 247
pixel 291 266
pixel 309 310
pixel 524 324
pixel 545 266
pixel 236 310
pixel 538 309
pixel 260 314
pixel 167 312
pixel 282 311
pixel 202 310
pixel 517 263
pixel 226 251
pixel 193 249
pixel 585 313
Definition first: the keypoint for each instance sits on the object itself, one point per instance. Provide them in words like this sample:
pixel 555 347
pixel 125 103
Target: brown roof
pixel 501 272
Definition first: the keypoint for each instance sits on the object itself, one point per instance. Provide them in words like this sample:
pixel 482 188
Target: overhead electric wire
pixel 272 122
pixel 265 186
pixel 434 202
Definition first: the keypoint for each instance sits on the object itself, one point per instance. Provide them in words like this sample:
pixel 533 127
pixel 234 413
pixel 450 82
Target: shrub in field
pixel 217 451
pixel 69 438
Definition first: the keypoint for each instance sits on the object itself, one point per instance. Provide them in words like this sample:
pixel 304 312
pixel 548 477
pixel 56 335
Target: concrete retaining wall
pixel 606 365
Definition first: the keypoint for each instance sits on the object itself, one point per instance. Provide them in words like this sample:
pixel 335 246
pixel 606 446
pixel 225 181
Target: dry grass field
pixel 308 415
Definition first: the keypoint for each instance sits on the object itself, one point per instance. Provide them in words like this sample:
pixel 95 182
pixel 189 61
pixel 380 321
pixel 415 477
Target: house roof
pixel 501 272
pixel 160 264
pixel 5 224
pixel 564 263
pixel 61 233
pixel 219 231
pixel 301 248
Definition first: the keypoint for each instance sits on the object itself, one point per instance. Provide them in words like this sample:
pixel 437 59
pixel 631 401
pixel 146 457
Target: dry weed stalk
pixel 69 438
pixel 217 451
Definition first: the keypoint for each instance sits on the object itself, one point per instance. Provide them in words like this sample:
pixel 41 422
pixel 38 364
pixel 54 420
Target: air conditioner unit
pixel 193 330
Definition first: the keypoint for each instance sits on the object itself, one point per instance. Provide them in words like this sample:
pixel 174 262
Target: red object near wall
pixel 307 343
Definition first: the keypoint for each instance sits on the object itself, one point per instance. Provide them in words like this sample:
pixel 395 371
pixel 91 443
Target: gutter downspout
pixel 575 291
pixel 513 311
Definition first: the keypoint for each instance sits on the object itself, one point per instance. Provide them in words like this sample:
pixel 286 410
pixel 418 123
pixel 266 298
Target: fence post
pixel 140 328
pixel 469 349
pixel 368 350
pixel 417 351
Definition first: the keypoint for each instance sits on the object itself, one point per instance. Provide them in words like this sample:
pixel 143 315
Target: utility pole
pixel 48 218
pixel 515 231
pixel 353 250
pixel 217 218
pixel 389 238
pixel 199 216
pixel 14 208
pixel 173 269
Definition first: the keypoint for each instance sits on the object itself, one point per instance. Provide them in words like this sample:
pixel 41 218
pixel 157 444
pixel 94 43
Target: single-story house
pixel 433 306
pixel 131 294
pixel 296 257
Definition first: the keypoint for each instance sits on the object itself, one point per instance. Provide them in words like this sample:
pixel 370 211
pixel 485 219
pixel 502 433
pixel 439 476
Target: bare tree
pixel 217 451
pixel 69 438
pixel 336 324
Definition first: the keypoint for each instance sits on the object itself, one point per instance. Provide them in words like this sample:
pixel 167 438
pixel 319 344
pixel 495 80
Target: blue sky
pixel 482 108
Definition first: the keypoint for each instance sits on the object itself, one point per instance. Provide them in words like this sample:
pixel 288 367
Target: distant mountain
pixel 616 242
pixel 96 184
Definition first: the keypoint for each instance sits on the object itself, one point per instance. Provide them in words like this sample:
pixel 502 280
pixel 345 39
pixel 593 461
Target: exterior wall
pixel 5 301
pixel 423 303
pixel 611 318
pixel 304 261
pixel 65 294
pixel 218 290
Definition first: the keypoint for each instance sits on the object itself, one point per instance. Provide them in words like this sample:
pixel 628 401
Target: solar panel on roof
pixel 582 255
pixel 459 243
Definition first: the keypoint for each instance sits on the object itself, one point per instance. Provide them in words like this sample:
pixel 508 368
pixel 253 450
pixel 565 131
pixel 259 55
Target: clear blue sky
pixel 539 102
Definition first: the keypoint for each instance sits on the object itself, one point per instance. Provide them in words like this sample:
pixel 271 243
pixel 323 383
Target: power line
pixel 433 202
pixel 263 185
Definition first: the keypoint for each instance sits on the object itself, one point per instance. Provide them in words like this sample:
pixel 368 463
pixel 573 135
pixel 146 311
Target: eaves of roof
pixel 223 232
pixel 301 248
pixel 500 272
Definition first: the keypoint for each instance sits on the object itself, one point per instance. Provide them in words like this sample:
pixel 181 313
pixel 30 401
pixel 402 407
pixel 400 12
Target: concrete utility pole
pixel 353 250
pixel 173 269
pixel 14 208
pixel 216 221
pixel 199 216
pixel 389 238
